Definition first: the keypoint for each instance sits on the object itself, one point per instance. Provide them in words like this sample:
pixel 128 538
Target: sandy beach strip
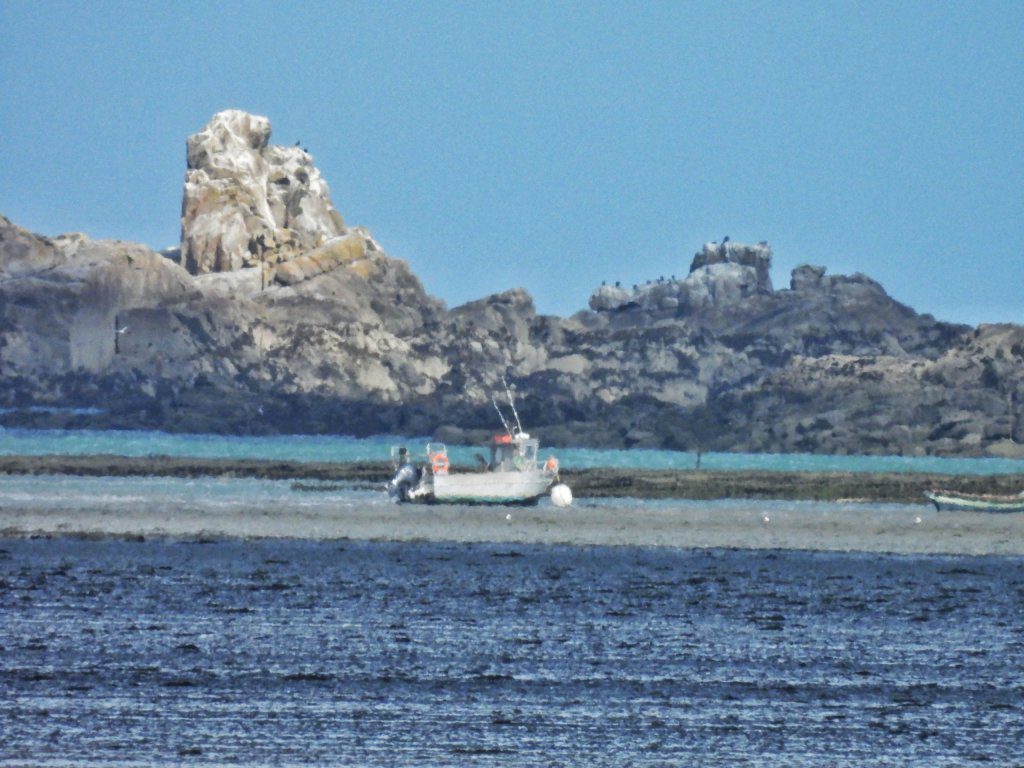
pixel 619 522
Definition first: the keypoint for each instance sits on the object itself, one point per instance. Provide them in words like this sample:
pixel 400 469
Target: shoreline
pixel 77 497
pixel 597 483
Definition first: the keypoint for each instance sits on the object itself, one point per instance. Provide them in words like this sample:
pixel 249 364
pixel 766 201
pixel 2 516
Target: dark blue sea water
pixel 316 653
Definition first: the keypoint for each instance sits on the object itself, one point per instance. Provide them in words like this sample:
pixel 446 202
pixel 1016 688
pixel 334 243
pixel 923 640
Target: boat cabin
pixel 510 453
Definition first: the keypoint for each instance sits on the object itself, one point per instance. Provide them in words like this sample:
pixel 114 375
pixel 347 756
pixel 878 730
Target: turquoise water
pixel 340 448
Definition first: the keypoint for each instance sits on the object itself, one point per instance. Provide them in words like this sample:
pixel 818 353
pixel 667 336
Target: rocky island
pixel 274 315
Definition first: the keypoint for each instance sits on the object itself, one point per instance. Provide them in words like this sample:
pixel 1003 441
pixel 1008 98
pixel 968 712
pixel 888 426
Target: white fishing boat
pixel 513 473
pixel 955 501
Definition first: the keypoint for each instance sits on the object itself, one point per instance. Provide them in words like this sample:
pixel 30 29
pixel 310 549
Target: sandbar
pixel 363 515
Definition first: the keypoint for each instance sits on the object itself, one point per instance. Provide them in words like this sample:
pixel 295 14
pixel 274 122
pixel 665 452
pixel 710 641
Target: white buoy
pixel 561 496
pixel 917 520
pixel 508 516
pixel 766 519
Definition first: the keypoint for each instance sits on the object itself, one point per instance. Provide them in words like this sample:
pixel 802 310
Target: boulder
pixel 757 257
pixel 806 278
pixel 720 285
pixel 289 273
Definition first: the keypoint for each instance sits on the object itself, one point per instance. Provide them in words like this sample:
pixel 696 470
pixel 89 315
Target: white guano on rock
pixel 248 202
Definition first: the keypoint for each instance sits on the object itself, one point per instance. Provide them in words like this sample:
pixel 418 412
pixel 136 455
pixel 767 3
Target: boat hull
pixel 951 501
pixel 492 487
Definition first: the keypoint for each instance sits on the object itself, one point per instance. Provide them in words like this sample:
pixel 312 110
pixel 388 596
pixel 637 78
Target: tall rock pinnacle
pixel 248 202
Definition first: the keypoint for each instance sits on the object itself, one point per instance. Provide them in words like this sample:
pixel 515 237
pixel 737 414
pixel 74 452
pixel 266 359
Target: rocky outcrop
pixel 965 401
pixel 355 345
pixel 331 334
pixel 60 299
pixel 248 202
pixel 721 277
pixel 756 257
pixel 22 253
pixel 807 278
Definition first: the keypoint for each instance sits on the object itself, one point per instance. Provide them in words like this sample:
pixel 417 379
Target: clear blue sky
pixel 555 145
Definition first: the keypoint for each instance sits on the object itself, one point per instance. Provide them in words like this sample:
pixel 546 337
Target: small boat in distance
pixel 512 475
pixel 955 501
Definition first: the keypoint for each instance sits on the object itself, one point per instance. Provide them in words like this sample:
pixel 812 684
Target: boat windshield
pixel 530 452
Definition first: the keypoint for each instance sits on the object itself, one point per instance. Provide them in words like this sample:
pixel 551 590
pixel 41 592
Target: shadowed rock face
pixel 327 333
pixel 60 297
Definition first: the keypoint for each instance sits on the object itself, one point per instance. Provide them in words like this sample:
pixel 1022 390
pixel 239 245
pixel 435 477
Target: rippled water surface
pixel 277 653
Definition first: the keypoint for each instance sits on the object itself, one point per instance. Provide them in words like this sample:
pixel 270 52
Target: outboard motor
pixel 405 480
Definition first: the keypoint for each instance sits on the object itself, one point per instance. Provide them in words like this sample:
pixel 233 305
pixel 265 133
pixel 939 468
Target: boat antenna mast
pixel 501 416
pixel 512 404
